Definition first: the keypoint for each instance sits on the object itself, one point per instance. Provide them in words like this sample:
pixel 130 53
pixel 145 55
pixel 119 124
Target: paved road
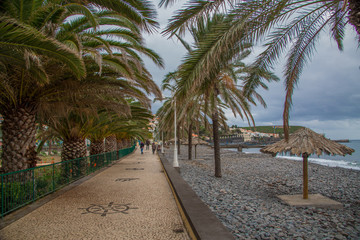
pixel 129 200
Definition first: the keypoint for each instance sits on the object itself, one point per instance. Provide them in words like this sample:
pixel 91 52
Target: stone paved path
pixel 129 200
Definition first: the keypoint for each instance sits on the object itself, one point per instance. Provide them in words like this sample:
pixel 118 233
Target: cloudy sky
pixel 327 98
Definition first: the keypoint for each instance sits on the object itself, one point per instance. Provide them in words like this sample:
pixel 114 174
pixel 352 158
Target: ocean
pixel 348 161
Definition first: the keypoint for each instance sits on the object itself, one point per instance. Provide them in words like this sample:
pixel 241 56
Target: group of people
pixel 154 146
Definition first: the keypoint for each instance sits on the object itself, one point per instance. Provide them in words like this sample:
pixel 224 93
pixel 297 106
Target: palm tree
pixel 125 69
pixel 220 89
pixel 191 116
pixel 166 112
pixel 308 20
pixel 75 114
pixel 27 88
pixel 122 128
pixel 22 74
pixel 196 115
pixel 101 128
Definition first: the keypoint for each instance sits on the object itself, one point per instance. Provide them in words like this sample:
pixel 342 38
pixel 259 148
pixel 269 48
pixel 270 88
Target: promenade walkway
pixel 129 200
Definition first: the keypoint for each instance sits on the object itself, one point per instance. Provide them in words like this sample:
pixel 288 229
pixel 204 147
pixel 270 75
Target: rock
pixel 249 207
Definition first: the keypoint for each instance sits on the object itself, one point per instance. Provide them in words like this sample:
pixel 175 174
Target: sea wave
pixel 350 163
pixel 327 162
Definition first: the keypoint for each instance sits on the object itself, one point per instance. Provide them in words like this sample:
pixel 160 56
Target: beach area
pixel 245 198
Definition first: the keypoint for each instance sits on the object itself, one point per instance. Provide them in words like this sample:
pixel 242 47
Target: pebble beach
pixel 245 198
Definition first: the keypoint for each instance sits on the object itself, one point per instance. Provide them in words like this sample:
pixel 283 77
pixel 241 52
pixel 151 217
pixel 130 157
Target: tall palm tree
pixel 26 49
pixel 191 116
pixel 166 112
pixel 121 65
pixel 285 24
pixel 220 88
pixel 27 85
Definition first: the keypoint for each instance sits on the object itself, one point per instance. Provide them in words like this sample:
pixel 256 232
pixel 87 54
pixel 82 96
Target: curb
pixel 199 220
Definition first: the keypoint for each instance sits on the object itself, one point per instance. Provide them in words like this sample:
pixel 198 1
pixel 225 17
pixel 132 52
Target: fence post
pixel 53 176
pixel 70 171
pixel 2 196
pixel 33 178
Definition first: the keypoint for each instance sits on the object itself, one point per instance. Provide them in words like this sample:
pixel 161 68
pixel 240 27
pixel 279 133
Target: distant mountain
pixel 270 129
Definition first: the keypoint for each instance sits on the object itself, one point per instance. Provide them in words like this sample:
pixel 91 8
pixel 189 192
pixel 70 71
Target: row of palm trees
pixel 201 101
pixel 75 67
pixel 212 76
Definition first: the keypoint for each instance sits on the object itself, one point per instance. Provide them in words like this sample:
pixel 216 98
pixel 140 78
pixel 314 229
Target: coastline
pixel 349 161
pixel 244 199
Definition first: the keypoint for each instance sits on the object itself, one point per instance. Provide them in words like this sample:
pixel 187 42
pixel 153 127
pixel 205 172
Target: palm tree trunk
pixel 119 144
pixel 73 149
pixel 190 142
pixel 354 14
pixel 215 119
pixel 216 137
pixel 128 142
pixel 96 158
pixel 195 151
pixel 110 143
pixel 31 155
pixel 305 176
pixel 97 147
pixel 18 129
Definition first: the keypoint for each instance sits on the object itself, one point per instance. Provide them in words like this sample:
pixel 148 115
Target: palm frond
pixel 75 8
pixel 22 37
pixel 189 14
pixel 300 53
pixel 141 12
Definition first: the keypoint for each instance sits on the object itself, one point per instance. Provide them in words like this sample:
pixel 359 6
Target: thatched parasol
pixel 196 141
pixel 304 142
pixel 172 140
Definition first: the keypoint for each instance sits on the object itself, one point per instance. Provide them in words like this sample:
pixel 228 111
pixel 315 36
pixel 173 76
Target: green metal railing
pixel 23 187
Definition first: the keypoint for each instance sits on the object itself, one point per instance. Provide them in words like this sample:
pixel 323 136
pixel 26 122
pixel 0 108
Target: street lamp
pixel 175 162
pixel 162 142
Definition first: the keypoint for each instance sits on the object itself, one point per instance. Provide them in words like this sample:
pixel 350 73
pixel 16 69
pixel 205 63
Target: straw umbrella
pixel 196 141
pixel 304 142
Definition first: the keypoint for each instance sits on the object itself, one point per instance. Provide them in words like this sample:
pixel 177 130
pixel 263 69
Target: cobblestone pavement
pixel 129 200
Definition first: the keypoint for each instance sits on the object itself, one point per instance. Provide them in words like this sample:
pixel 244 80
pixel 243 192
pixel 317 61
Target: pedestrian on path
pixel 153 147
pixel 142 147
pixel 147 144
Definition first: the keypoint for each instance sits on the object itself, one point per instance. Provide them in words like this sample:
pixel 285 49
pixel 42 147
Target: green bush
pixel 17 194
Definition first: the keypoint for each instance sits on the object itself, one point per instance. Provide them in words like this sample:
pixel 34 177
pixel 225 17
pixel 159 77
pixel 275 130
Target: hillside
pixel 270 129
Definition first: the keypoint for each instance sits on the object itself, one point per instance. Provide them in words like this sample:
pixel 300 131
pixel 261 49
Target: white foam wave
pixel 326 162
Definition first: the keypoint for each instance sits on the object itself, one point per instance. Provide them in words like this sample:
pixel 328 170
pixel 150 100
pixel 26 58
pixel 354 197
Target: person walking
pixel 142 147
pixel 147 144
pixel 153 147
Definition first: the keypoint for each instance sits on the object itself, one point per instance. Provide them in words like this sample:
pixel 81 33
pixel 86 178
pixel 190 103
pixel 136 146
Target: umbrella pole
pixel 195 150
pixel 305 175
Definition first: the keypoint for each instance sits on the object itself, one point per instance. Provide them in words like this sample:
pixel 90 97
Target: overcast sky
pixel 327 98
